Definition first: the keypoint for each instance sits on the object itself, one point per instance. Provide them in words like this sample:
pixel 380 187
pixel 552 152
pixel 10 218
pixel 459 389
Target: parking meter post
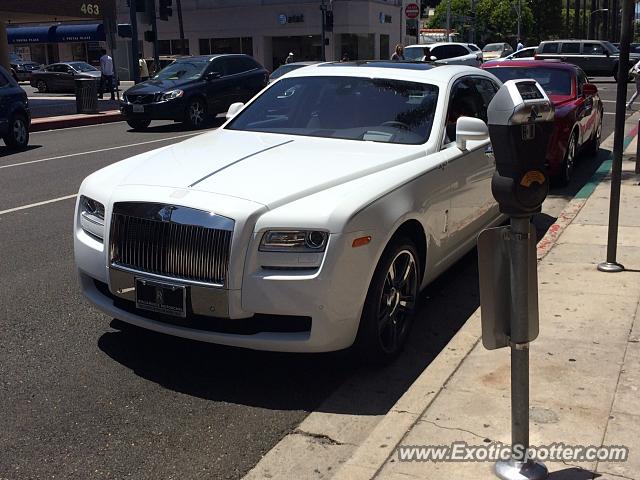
pixel 611 265
pixel 638 152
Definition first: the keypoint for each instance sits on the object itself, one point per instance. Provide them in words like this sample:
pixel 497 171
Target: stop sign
pixel 412 10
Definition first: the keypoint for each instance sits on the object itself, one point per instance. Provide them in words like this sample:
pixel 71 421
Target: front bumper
pixel 170 110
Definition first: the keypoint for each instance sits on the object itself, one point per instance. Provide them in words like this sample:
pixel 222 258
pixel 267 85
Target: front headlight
pixel 171 95
pixel 294 241
pixel 92 217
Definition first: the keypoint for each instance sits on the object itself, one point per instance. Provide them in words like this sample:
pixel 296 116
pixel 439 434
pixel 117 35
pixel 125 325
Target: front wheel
pixel 566 170
pixel 137 124
pixel 18 135
pixel 196 113
pixel 41 85
pixel 594 143
pixel 390 304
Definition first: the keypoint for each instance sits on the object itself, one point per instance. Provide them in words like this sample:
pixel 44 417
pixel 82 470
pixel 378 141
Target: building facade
pixel 270 29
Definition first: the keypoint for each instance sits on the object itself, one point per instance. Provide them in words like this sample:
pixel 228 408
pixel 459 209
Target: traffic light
pixel 164 9
pixel 328 21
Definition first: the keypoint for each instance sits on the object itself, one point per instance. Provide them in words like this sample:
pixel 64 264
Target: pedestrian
pixel 398 55
pixel 289 58
pixel 106 67
pixel 345 57
pixel 635 71
pixel 520 46
pixel 144 68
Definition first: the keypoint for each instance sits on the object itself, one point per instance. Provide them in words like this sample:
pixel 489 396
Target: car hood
pixel 270 169
pixel 155 86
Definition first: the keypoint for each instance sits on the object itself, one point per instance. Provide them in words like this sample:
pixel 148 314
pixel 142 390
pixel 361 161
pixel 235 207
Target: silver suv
pixel 595 57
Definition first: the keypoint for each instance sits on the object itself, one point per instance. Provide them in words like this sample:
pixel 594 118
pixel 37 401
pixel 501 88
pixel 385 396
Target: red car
pixel 578 121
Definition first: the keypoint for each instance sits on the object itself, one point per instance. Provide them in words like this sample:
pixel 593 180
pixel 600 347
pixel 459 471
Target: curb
pixel 371 456
pixel 66 121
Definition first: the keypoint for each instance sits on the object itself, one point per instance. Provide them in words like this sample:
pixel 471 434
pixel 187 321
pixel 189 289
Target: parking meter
pixel 520 125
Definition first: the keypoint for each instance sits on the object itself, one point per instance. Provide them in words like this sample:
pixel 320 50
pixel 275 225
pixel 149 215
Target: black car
pixel 15 117
pixel 193 87
pixel 21 69
pixel 60 77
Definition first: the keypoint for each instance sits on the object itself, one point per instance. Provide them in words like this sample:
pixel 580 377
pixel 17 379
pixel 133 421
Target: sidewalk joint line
pixel 483 437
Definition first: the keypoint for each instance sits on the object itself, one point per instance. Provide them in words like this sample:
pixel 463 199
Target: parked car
pixel 193 87
pixel 61 77
pixel 442 54
pixel 309 221
pixel 594 57
pixel 286 68
pixel 21 69
pixel 527 53
pixel 15 116
pixel 478 51
pixel 579 110
pixel 492 51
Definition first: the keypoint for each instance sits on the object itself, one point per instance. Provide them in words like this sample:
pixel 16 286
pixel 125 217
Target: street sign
pixel 412 10
pixel 495 257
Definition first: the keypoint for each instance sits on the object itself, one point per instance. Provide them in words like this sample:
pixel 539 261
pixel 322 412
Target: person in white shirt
pixel 106 67
pixel 520 46
pixel 635 71
pixel 144 68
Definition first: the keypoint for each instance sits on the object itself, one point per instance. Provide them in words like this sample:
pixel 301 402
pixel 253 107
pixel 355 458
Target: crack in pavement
pixel 320 437
pixel 483 437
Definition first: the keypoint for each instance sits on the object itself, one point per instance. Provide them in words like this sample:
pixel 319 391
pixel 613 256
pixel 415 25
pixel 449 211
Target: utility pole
pixel 448 19
pixel 181 27
pixel 323 11
pixel 154 28
pixel 135 66
pixel 566 21
pixel 576 18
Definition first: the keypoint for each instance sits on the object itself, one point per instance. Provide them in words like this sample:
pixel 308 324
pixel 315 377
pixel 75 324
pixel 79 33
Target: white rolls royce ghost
pixel 308 222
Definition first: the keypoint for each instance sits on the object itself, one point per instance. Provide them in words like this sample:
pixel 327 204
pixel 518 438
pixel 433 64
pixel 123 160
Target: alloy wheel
pixel 397 301
pixel 570 158
pixel 19 132
pixel 41 86
pixel 196 113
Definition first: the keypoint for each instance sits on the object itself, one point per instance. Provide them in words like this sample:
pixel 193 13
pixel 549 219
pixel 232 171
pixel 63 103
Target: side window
pixel 52 68
pixel 466 101
pixel 438 52
pixel 487 89
pixel 237 65
pixel 458 51
pixel 593 49
pixel 573 47
pixel 249 64
pixel 217 66
pixel 581 80
pixel 550 48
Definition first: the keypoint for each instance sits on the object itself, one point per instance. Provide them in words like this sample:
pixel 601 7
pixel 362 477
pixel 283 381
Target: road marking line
pixel 99 150
pixel 54 130
pixel 31 205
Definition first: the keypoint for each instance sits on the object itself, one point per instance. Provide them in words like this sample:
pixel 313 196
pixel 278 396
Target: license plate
pixel 161 297
pixel 138 109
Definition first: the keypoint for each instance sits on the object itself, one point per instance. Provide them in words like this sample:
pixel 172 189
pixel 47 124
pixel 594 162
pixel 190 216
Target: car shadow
pixel 574 473
pixel 181 127
pixel 6 151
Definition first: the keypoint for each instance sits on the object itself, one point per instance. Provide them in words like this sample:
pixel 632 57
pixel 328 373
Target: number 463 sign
pixel 90 9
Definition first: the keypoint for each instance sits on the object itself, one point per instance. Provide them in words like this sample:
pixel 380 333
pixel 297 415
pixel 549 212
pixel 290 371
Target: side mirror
pixel 213 75
pixel 589 89
pixel 234 109
pixel 469 128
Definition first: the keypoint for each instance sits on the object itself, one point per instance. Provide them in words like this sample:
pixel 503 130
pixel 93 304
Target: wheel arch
pixel 414 230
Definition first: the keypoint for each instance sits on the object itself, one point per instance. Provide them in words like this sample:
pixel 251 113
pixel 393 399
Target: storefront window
pixel 384 47
pixel 204 45
pixel 226 45
pixel 357 46
pixel 172 47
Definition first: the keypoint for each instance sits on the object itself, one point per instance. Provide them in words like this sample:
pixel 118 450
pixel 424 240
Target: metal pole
pixel 448 19
pixel 611 265
pixel 135 67
pixel 472 31
pixel 566 21
pixel 181 26
pixel 323 10
pixel 519 466
pixel 638 153
pixel 154 29
pixel 519 18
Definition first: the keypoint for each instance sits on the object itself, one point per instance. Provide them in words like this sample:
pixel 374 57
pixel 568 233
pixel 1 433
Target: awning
pixel 18 35
pixel 79 33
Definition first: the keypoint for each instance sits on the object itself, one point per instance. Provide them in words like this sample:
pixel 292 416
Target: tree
pixel 495 20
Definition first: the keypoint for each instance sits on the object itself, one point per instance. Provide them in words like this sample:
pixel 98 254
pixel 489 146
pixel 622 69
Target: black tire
pixel 42 86
pixel 196 113
pixel 566 169
pixel 385 321
pixel 138 124
pixel 594 144
pixel 17 136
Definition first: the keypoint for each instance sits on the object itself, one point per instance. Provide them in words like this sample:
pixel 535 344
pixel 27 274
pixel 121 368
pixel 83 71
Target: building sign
pixel 283 19
pixel 384 18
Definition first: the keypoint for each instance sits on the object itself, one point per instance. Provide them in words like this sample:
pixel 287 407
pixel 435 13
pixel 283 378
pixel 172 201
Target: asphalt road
pixel 84 396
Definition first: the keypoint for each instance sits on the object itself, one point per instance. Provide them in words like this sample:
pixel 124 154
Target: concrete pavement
pixel 584 380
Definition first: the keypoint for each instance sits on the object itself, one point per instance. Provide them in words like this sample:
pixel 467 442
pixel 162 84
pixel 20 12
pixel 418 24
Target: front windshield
pixel 352 108
pixel 493 47
pixel 282 69
pixel 82 67
pixel 182 70
pixel 415 53
pixel 555 81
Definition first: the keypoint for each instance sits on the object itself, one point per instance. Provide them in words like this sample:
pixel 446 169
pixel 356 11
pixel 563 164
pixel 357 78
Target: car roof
pixel 530 63
pixel 408 71
pixel 305 63
pixel 210 57
pixel 436 44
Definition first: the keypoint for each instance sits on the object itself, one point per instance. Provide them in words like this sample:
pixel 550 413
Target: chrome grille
pixel 171 241
pixel 141 98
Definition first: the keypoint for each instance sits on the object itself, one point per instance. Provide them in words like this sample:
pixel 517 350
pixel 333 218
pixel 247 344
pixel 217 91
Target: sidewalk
pixel 585 365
